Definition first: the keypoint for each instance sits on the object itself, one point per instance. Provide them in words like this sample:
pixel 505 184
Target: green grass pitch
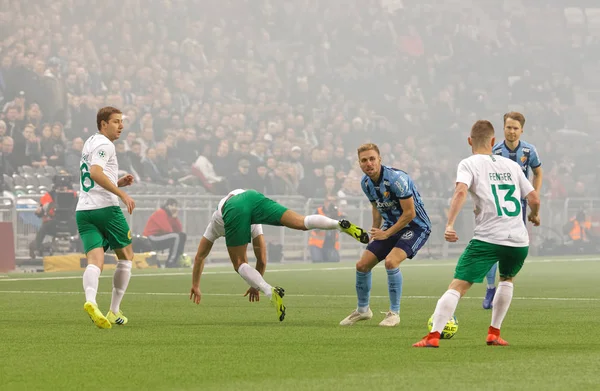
pixel 227 343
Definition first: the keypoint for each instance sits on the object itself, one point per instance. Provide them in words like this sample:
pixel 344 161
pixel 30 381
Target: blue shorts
pixel 409 239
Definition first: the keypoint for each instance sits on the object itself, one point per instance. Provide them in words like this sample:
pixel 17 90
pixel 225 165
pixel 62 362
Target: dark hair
pixel 104 115
pixel 170 201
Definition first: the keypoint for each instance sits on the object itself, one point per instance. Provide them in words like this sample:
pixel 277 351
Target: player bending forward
pixel 100 221
pixel 238 217
pixel 497 185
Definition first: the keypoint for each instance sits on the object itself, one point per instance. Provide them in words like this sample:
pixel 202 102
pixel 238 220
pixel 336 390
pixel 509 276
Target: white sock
pixel 320 222
pixel 501 302
pixel 120 282
pixel 444 309
pixel 254 279
pixel 491 286
pixel 91 277
pixel 362 310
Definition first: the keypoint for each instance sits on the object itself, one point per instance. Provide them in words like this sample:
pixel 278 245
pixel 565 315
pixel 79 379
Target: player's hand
pixel 378 234
pixel 125 180
pixel 450 234
pixel 535 219
pixel 129 202
pixel 254 294
pixel 195 295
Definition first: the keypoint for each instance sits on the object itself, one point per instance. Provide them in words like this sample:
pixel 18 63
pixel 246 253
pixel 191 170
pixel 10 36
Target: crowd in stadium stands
pixel 277 95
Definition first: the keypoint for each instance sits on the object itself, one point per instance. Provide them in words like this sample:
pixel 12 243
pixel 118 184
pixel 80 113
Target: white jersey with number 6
pixel 98 150
pixel 497 185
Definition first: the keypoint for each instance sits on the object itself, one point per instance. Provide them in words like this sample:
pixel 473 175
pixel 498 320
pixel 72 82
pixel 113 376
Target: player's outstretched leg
pixel 501 304
pixel 295 220
pixel 355 231
pixel 491 288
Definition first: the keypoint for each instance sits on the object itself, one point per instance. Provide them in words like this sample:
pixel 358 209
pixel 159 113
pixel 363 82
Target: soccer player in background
pixel 526 156
pixel 406 227
pixel 497 186
pixel 238 217
pixel 100 221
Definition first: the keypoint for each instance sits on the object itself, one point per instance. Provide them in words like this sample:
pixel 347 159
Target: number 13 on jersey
pixel 508 191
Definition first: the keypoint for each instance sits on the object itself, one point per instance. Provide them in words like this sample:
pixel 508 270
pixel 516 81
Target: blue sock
pixel 363 288
pixel 491 276
pixel 395 288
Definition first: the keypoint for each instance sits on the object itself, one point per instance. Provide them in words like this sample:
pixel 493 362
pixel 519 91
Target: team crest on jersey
pixel 407 235
pixel 102 154
pixel 523 159
pixel 386 194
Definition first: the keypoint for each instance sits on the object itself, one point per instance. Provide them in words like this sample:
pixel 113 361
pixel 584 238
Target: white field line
pixel 187 273
pixel 292 295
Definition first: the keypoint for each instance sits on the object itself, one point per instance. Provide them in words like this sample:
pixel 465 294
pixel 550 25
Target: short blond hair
pixel 368 147
pixel 481 132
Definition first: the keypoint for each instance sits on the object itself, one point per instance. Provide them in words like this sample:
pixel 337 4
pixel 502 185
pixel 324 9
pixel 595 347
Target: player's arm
pixel 259 246
pixel 536 168
pixel 464 179
pixel 458 200
pixel 537 178
pixel 98 176
pixel 408 214
pixel 533 198
pixel 125 180
pixel 377 219
pixel 203 250
pixel 402 190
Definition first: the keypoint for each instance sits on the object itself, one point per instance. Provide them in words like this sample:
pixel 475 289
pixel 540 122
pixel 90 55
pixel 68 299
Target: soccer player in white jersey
pixel 216 230
pixel 497 186
pixel 100 221
pixel 238 218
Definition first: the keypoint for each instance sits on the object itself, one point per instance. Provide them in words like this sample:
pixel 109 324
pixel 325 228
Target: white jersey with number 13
pixel 497 185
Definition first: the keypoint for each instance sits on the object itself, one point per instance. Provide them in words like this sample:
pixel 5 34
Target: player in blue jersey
pixel 400 228
pixel 527 157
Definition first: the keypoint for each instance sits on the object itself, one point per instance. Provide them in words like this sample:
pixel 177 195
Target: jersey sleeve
pixel 365 189
pixel 534 158
pixel 464 174
pixel 401 186
pixel 101 154
pixel 257 230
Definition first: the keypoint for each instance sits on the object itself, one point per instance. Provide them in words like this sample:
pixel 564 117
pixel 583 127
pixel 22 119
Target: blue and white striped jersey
pixel 525 155
pixel 395 185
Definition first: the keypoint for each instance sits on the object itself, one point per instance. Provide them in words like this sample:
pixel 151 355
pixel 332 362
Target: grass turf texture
pixel 227 343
